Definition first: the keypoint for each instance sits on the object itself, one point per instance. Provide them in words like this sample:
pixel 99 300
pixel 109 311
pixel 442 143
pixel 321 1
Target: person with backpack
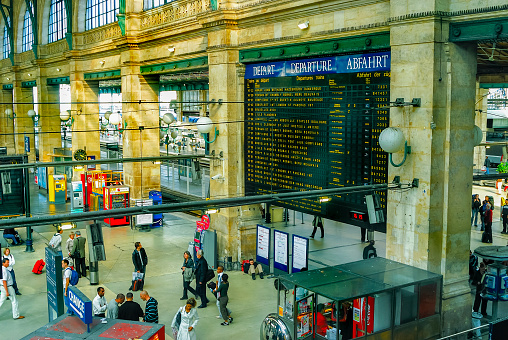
pixel 487 234
pixel 56 242
pixel 370 250
pixel 475 208
pixel 70 276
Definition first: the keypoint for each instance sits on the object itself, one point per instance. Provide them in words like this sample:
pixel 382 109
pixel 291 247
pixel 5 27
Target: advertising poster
pixel 300 253
pixel 263 245
pixel 281 250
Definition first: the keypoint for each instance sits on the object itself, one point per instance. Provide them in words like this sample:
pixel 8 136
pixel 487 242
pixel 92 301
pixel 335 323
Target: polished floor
pixel 250 300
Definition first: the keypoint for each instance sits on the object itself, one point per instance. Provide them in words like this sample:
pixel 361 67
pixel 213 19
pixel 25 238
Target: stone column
pixel 140 110
pixel 480 119
pixel 429 226
pixel 23 124
pixel 7 123
pixel 236 227
pixel 49 120
pixel 85 112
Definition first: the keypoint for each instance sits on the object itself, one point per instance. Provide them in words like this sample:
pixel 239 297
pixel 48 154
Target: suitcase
pixel 38 267
pixel 486 237
pixel 136 285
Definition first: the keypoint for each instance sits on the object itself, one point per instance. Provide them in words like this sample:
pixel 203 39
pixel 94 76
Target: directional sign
pixel 79 304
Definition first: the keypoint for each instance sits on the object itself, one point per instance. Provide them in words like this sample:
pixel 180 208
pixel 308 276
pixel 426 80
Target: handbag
pixel 188 274
pixel 178 319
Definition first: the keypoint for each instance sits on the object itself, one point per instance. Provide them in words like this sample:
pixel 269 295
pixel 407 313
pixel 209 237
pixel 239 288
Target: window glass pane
pixel 325 319
pixel 27 30
pixel 57 21
pixel 406 305
pixel 428 305
pixel 7 41
pixel 101 12
pixel 379 316
pixel 149 4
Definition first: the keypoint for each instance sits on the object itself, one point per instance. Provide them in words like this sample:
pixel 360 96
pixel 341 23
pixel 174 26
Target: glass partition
pixel 406 300
pixel 429 300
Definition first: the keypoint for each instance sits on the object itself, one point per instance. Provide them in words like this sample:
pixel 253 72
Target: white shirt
pixel 67 274
pixel 219 282
pixel 58 242
pixel 6 276
pixel 68 246
pixel 12 262
pixel 99 305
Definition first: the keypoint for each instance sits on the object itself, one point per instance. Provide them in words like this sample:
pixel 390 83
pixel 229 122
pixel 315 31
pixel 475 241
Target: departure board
pixel 314 124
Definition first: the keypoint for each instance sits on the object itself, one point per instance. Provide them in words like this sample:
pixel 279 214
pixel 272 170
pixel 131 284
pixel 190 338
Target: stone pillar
pixel 85 112
pixel 140 110
pixel 7 124
pixel 49 120
pixel 23 124
pixel 480 119
pixel 236 227
pixel 429 226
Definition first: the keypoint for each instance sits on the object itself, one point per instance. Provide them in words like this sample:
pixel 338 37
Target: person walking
pixel 140 260
pixel 487 234
pixel 68 248
pixel 7 291
pixel 12 262
pixel 99 304
pixel 78 252
pixel 200 272
pixel 113 306
pixel 486 164
pixel 317 222
pixel 220 274
pixel 483 208
pixel 188 320
pixel 479 282
pixel 475 208
pixel 187 274
pixel 222 296
pixel 504 214
pixel 130 310
pixel 151 308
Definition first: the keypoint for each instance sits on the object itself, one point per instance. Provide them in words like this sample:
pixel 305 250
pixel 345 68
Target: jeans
pixel 487 171
pixel 14 284
pixel 474 216
pixel 186 286
pixel 11 237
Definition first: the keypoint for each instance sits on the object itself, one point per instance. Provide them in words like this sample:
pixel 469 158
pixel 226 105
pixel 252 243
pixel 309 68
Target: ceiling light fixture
pixel 303 25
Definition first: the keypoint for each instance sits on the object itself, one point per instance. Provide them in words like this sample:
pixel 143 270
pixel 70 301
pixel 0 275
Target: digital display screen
pixel 314 124
pixel 358 216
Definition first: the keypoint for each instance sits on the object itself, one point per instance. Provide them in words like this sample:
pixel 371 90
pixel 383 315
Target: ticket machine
pixel 76 195
pixel 116 197
pixel 57 188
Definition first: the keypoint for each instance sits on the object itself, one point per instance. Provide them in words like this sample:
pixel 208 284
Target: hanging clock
pixel 80 155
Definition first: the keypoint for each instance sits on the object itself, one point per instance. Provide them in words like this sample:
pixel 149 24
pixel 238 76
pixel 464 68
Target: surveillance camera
pixel 216 177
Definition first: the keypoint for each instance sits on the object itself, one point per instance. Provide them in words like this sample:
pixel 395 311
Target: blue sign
pixel 27 144
pixel 79 304
pixel 369 62
pixel 54 283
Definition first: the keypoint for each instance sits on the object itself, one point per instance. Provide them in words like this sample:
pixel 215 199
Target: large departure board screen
pixel 314 124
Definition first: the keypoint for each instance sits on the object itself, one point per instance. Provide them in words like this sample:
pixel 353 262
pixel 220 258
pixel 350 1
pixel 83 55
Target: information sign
pixel 54 283
pixel 80 305
pixel 27 144
pixel 263 245
pixel 300 253
pixel 314 124
pixel 281 250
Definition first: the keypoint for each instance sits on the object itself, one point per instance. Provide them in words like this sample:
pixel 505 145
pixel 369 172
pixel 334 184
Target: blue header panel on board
pixel 368 62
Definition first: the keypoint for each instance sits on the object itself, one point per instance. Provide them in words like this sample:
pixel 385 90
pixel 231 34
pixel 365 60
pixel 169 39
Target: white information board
pixel 300 253
pixel 281 250
pixel 263 244
pixel 144 219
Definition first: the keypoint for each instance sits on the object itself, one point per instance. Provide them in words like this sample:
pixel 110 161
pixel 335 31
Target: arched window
pixel 28 36
pixel 101 12
pixel 149 4
pixel 7 40
pixel 57 21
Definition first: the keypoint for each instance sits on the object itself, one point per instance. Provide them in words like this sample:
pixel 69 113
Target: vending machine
pixel 77 195
pixel 116 197
pixel 57 189
pixel 156 197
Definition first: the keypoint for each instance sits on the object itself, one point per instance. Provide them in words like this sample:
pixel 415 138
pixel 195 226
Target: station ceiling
pixel 492 58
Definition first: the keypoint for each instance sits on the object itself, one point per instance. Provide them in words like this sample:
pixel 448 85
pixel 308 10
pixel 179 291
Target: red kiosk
pixel 116 197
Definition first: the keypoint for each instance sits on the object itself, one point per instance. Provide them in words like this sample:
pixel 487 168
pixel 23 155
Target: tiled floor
pixel 250 300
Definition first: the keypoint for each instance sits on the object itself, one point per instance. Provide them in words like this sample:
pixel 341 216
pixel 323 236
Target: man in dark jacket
pixel 475 208
pixel 139 259
pixel 200 273
pixel 130 310
pixel 78 251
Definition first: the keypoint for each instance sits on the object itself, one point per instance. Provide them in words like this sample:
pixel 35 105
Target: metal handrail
pixel 448 337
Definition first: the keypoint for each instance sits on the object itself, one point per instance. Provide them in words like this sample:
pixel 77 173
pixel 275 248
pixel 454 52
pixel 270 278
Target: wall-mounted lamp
pixel 8 78
pixel 212 211
pixel 67 226
pixel 9 113
pixel 65 115
pixel 204 126
pixel 171 49
pixel 168 118
pixel 31 113
pixel 29 74
pixel 303 25
pixel 115 118
pixel 392 140
pixel 107 114
pixel 156 162
pixel 58 70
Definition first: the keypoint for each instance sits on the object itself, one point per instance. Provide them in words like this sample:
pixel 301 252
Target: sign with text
pixel 54 283
pixel 281 250
pixel 300 253
pixel 27 144
pixel 263 245
pixel 313 124
pixel 80 305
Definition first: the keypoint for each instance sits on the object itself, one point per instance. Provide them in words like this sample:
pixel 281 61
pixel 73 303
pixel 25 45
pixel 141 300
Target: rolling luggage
pixel 38 267
pixel 486 237
pixel 136 285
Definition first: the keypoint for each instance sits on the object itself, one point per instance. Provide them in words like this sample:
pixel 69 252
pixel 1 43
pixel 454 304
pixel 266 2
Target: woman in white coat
pixel 189 320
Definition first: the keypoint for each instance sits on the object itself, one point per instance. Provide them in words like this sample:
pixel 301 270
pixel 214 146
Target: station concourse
pixel 297 92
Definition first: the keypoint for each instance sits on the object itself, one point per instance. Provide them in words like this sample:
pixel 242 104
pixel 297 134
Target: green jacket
pixel 79 243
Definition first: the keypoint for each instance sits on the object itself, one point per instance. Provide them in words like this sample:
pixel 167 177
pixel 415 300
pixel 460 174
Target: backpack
pixel 52 242
pixel 74 279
